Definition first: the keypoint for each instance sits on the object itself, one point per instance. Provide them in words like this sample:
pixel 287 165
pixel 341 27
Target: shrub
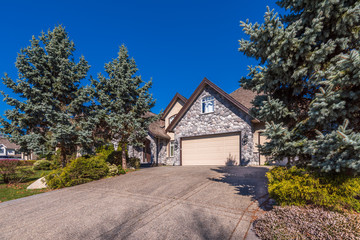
pixel 27 162
pixel 113 169
pixel 80 170
pixel 121 170
pixel 114 157
pixel 8 169
pixel 134 162
pixel 307 223
pixel 297 186
pixel 42 165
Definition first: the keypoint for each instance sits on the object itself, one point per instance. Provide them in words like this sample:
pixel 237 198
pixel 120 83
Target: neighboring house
pixel 12 150
pixel 9 149
pixel 210 128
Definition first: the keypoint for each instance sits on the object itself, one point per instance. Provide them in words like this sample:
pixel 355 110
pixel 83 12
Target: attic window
pixel 207 104
pixel 171 118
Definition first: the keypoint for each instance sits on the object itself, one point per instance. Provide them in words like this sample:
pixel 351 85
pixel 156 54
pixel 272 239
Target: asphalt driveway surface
pixel 195 202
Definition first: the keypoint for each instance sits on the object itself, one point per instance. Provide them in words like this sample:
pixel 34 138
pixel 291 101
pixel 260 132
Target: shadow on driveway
pixel 248 181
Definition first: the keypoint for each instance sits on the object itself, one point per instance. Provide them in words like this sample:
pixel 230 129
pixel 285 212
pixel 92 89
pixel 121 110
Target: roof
pixel 172 102
pixel 205 82
pixel 157 129
pixel 244 96
pixel 8 144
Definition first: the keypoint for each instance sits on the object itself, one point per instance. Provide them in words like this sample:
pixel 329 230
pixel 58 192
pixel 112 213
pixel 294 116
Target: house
pixel 210 128
pixel 8 149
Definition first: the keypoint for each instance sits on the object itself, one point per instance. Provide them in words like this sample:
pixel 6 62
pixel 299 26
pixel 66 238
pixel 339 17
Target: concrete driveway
pixel 199 202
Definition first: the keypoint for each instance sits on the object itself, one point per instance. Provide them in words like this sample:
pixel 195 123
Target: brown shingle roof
pixel 157 129
pixel 8 144
pixel 244 96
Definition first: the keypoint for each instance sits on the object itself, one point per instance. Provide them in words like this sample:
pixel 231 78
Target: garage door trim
pixel 211 135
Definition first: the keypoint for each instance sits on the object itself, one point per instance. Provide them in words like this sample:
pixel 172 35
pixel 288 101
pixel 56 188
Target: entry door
pixel 147 152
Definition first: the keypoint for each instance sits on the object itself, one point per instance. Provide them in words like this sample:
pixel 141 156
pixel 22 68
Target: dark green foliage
pixel 52 111
pixel 123 100
pixel 121 170
pixel 134 162
pixel 297 186
pixel 80 170
pixel 309 77
pixel 42 165
pixel 115 157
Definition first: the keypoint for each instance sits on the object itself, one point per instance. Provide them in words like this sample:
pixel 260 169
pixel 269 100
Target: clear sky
pixel 176 43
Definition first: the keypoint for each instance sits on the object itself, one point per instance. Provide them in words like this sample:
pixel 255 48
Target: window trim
pixel 203 101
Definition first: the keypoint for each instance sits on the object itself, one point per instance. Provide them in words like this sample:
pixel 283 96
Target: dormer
pixel 173 109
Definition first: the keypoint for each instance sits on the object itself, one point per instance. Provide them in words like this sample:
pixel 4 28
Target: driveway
pixel 192 202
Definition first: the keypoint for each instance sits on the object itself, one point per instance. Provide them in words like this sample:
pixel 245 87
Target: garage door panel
pixel 213 150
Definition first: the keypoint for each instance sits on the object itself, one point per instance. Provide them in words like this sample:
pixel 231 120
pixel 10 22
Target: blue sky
pixel 176 43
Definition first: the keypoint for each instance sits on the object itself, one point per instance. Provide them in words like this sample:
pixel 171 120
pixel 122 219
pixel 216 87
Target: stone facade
pixel 158 150
pixel 226 118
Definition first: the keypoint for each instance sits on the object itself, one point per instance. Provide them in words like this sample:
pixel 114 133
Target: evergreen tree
pixel 49 112
pixel 123 103
pixel 308 73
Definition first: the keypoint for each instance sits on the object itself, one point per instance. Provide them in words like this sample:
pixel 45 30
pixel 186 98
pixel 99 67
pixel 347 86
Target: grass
pixel 18 190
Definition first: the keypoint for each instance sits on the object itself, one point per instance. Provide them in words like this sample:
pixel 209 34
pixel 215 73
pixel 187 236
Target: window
pixel 11 152
pixel 207 104
pixel 2 151
pixel 171 149
pixel 171 118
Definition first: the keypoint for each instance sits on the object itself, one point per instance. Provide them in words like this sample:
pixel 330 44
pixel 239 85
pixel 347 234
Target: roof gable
pixel 177 97
pixel 8 144
pixel 205 82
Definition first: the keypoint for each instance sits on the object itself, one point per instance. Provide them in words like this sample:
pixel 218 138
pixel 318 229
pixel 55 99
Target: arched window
pixel 171 118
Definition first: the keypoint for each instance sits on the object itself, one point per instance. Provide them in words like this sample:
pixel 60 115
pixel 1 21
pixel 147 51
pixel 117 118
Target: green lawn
pixel 18 190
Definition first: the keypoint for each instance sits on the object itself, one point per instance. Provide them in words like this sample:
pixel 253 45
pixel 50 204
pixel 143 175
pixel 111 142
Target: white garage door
pixel 211 150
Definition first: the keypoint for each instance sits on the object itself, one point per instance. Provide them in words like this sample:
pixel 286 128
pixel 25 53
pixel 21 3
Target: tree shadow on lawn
pixel 248 181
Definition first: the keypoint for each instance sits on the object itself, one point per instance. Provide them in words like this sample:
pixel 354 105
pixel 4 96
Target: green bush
pixel 114 157
pixel 113 169
pixel 297 186
pixel 42 165
pixel 134 162
pixel 8 169
pixel 80 170
pixel 121 170
pixel 27 162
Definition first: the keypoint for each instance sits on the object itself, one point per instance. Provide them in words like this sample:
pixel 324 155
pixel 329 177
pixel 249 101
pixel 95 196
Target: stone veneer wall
pixel 162 154
pixel 225 118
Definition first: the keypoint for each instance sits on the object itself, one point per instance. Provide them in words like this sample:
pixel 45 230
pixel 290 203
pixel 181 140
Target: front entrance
pixel 147 152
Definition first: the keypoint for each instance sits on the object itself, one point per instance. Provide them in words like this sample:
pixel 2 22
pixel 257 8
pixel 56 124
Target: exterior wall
pixel 158 150
pixel 174 110
pixel 225 118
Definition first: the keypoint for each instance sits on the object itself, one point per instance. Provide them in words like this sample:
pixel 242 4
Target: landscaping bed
pixel 10 191
pixel 313 205
pixel 293 222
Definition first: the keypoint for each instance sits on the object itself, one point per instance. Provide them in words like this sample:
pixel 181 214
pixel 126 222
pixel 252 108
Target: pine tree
pixel 123 103
pixel 308 73
pixel 50 110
